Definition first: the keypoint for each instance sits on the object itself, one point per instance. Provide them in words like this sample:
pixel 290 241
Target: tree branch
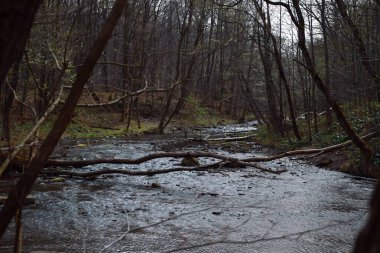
pixel 18 194
pixel 207 167
pixel 82 163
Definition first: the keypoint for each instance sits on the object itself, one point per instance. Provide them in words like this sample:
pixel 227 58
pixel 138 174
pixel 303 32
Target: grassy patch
pixel 145 126
pixel 268 138
pixel 81 130
pixel 195 114
pixel 349 159
pixel 77 130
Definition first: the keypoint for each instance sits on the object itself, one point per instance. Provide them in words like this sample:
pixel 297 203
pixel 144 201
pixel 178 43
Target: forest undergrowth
pixel 349 159
pixel 103 122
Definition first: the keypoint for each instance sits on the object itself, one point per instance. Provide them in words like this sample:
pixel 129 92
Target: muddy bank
pixel 307 209
pixel 344 160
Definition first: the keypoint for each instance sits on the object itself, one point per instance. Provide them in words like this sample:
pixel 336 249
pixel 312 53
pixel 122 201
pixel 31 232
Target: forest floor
pixel 106 123
pixel 348 160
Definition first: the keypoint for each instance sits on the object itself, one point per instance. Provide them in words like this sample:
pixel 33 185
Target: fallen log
pixel 228 139
pixel 129 172
pixel 82 163
pixel 309 151
pixel 225 161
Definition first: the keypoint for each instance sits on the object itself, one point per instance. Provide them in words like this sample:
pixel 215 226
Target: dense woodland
pixel 239 57
pixel 294 66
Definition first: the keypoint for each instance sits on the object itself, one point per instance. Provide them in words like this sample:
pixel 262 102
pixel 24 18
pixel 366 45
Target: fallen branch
pixel 208 167
pixel 130 94
pixel 24 185
pixel 309 151
pixel 82 163
pixel 126 172
pixel 227 139
pixel 8 160
pixel 342 145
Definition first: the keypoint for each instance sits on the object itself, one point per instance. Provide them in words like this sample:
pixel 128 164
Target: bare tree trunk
pixel 360 46
pixel 327 58
pixel 16 19
pixel 184 92
pixel 125 75
pixel 18 194
pixel 274 117
pixel 185 27
pixel 300 23
pixel 278 58
pixel 368 239
pixel 312 104
pixel 251 100
pixel 366 151
pixel 8 102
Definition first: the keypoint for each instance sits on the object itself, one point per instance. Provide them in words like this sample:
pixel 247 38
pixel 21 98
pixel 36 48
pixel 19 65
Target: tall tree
pixel 298 20
pixel 326 55
pixel 16 19
pixel 275 118
pixel 281 70
pixel 360 47
pixel 18 194
pixel 368 239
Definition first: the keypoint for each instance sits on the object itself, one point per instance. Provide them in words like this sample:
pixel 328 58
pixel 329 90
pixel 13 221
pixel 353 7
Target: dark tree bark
pixel 366 151
pixel 166 116
pixel 327 57
pixel 299 21
pixel 278 58
pixel 18 194
pixel 368 239
pixel 8 102
pixel 16 19
pixel 360 46
pixel 184 89
pixel 274 117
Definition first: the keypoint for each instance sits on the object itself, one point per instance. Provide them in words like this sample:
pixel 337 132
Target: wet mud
pixel 306 209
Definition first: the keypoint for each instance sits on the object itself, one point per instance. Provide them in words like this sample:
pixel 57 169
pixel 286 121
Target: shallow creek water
pixel 306 209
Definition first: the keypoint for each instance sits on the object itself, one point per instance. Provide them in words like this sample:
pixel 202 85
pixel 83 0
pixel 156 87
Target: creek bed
pixel 306 209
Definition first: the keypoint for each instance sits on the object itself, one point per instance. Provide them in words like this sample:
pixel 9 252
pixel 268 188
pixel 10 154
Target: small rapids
pixel 306 209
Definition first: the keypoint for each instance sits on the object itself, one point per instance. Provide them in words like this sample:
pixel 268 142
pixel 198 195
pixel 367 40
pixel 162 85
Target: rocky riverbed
pixel 306 209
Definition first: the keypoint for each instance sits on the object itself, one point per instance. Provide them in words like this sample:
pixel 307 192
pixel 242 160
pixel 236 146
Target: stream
pixel 306 209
